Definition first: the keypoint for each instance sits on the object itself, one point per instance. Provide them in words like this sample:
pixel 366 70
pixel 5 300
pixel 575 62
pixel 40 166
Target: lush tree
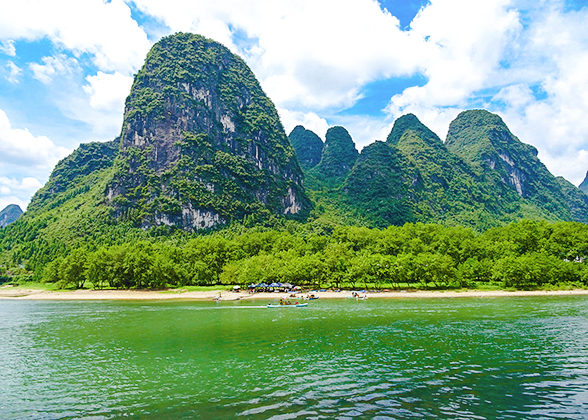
pixel 337 258
pixel 72 270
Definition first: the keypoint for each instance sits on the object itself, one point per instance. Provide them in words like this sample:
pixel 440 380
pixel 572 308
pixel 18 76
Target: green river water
pixel 466 358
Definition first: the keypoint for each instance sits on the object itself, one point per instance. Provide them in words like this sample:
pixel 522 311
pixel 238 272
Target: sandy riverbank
pixel 8 292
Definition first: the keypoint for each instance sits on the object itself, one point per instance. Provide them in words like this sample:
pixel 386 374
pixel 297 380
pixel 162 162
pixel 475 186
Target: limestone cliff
pixel 483 139
pixel 201 143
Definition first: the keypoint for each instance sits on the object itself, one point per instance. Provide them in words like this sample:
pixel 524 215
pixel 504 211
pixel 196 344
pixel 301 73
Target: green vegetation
pixel 379 183
pixel 523 255
pixel 482 177
pixel 202 144
pixel 204 188
pixel 307 145
pixel 338 157
pixel 484 141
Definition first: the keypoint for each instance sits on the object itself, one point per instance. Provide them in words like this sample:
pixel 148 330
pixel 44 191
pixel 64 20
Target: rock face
pixel 482 176
pixel 9 214
pixel 482 139
pixel 201 143
pixel 308 147
pixel 339 154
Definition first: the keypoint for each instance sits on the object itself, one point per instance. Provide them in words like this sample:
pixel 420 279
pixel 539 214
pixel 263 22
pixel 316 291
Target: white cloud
pixel 465 42
pixel 7 200
pixel 7 47
pixel 20 148
pixel 98 103
pixel 108 91
pixel 13 73
pixel 105 30
pixel 11 185
pixel 555 46
pixel 308 120
pixel 517 96
pixel 314 57
pixel 59 66
pixel 306 53
pixel 533 75
pixel 15 191
pixel 90 34
pixel 101 109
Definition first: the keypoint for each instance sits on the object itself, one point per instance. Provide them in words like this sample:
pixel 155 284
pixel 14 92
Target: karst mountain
pixel 202 147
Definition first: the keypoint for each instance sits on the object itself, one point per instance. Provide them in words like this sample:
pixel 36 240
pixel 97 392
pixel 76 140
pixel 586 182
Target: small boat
pixel 297 305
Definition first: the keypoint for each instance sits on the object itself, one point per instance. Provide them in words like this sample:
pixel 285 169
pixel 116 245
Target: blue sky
pixel 66 67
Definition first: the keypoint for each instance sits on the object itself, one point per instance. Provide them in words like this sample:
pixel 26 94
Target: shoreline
pixel 11 293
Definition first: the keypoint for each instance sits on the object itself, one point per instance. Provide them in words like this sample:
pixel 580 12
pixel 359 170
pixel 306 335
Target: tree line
pixel 526 254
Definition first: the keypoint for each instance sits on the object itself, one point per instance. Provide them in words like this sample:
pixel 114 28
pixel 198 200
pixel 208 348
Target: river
pixel 466 358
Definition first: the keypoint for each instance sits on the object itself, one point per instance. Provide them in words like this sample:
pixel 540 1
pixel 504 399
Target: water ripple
pixel 445 358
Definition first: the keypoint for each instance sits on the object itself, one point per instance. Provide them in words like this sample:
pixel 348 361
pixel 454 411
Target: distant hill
pixel 381 185
pixel 308 146
pixel 575 199
pixel 9 215
pixel 338 156
pixel 482 176
pixel 584 185
pixel 484 140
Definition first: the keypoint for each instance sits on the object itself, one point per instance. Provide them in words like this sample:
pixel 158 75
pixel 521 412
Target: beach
pixel 22 293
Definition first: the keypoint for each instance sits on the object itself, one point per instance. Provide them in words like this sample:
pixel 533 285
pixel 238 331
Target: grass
pixel 343 286
pixel 487 286
pixel 563 286
pixel 31 286
pixel 199 288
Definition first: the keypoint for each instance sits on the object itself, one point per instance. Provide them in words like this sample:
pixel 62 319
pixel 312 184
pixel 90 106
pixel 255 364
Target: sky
pixel 66 67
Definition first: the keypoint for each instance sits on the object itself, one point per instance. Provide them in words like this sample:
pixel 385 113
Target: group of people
pixel 287 302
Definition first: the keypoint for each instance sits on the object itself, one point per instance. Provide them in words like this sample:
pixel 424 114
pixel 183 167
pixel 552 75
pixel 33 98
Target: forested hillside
pixel 521 255
pixel 203 167
pixel 482 176
pixel 201 147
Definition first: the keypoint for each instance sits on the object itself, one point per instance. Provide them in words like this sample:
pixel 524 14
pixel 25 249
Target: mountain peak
pixel 308 146
pixel 9 214
pixel 483 139
pixel 584 185
pixel 201 143
pixel 478 126
pixel 339 154
pixel 410 123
